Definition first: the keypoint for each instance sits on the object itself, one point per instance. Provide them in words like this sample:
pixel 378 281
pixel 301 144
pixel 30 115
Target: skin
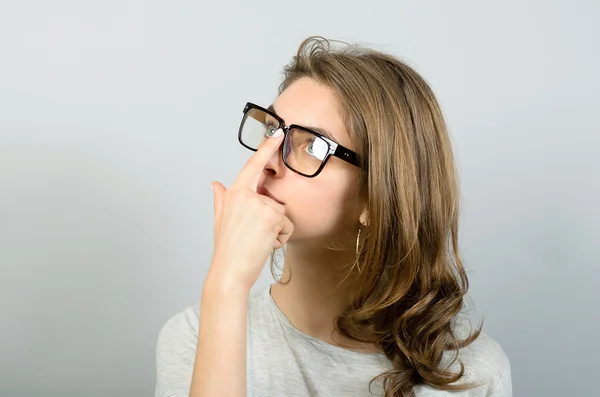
pixel 308 214
pixel 320 209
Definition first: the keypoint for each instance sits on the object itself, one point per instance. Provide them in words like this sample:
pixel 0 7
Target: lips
pixel 263 191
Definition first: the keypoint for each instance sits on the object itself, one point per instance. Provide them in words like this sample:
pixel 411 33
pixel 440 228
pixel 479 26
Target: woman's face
pixel 323 206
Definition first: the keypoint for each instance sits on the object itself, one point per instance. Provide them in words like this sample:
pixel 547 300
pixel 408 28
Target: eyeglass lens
pixel 303 151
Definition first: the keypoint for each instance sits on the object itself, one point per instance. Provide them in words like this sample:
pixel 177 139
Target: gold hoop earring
pixel 357 244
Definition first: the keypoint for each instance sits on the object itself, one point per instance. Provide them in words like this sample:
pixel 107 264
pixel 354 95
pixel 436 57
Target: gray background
pixel 116 115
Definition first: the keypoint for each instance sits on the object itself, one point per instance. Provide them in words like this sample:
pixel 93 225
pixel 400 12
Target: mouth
pixel 263 191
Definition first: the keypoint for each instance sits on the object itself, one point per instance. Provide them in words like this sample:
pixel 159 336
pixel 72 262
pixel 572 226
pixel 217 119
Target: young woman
pixel 354 174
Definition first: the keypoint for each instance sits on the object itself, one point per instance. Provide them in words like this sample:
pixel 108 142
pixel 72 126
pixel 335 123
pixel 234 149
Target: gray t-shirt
pixel 282 361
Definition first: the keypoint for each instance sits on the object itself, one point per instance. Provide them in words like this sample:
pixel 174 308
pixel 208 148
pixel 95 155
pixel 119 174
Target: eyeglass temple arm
pixel 346 155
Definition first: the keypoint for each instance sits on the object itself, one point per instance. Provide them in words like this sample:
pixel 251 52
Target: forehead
pixel 311 104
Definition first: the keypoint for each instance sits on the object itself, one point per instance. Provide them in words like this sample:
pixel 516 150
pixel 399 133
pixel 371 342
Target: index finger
pixel 250 174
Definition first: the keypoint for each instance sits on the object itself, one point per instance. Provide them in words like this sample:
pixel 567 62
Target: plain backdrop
pixel 116 115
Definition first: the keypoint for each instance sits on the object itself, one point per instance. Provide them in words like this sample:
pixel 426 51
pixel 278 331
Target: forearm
pixel 220 365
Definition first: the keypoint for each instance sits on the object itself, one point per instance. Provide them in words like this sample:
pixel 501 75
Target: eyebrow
pixel 315 129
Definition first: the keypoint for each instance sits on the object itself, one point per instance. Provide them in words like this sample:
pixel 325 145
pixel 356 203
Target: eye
pixel 317 148
pixel 270 129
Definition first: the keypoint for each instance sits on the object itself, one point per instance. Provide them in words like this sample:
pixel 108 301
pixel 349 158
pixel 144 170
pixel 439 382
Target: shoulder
pixel 484 362
pixel 176 352
pixel 185 323
pixel 178 337
pixel 181 329
pixel 485 352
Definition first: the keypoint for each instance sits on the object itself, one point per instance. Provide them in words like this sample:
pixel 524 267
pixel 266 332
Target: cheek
pixel 320 207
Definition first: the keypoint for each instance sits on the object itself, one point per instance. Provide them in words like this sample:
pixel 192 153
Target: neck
pixel 315 294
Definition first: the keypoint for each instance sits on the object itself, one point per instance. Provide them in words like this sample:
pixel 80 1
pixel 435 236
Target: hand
pixel 247 225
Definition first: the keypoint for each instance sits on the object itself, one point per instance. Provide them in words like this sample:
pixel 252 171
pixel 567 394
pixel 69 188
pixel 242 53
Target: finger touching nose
pixel 275 163
pixel 257 163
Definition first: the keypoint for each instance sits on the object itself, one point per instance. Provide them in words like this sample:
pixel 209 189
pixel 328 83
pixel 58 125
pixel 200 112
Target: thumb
pixel 218 192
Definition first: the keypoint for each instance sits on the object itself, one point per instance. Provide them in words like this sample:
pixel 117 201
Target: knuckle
pixel 247 193
pixel 271 215
pixel 242 194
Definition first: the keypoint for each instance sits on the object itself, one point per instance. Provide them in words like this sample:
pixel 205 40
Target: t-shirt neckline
pixel 329 347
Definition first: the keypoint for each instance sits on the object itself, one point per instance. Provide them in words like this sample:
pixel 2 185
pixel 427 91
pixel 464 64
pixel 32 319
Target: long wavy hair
pixel 411 284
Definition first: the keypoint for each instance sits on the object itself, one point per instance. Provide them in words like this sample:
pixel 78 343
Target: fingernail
pixel 278 133
pixel 211 186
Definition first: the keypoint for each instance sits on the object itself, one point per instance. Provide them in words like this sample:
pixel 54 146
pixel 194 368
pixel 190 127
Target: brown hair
pixel 411 286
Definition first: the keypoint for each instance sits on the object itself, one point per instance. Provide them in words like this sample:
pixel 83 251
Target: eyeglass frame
pixel 334 148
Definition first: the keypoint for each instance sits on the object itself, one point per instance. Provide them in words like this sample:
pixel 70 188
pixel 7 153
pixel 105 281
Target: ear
pixel 364 217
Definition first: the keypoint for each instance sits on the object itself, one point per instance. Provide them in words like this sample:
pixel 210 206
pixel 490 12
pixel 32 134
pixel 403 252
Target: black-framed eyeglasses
pixel 304 151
